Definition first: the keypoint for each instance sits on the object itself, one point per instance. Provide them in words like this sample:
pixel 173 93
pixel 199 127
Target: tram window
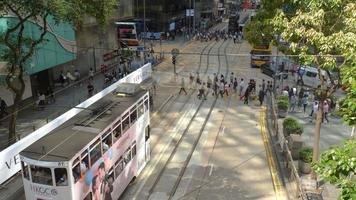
pixel 84 164
pixel 133 149
pixel 95 152
pixel 127 156
pixel 61 176
pixel 119 167
pixel 76 172
pixel 41 175
pixel 88 197
pixel 25 171
pixel 110 179
pixel 147 133
pixel 117 132
pixel 146 104
pixel 107 143
pixel 140 111
pixel 133 115
pixel 125 124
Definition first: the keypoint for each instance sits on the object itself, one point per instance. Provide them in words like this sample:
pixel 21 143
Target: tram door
pixel 147 144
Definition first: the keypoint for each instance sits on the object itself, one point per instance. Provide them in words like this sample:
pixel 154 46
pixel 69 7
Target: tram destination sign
pixel 9 157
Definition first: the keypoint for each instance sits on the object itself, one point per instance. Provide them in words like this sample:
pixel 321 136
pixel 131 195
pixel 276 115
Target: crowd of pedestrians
pixel 219 86
pixel 205 36
pixel 302 99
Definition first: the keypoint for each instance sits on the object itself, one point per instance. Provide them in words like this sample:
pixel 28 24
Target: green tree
pixel 17 48
pixel 320 32
pixel 338 166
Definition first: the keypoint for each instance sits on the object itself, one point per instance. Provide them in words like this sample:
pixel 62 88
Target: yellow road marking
pixel 277 183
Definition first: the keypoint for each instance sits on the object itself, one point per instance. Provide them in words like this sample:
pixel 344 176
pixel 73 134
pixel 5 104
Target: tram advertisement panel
pixel 110 175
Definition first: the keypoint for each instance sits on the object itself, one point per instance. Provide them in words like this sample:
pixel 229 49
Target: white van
pixel 310 76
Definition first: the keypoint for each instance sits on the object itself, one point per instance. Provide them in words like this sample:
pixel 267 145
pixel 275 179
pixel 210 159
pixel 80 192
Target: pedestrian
pixel 50 95
pixel 222 78
pixel 305 102
pixel 221 89
pixel 202 94
pixel 76 75
pixel 226 89
pixel 182 87
pixel 198 81
pixel 215 87
pixel 261 96
pixel 209 84
pixel 91 74
pixel 263 85
pixel 325 111
pixel 90 88
pixel 191 79
pixel 293 102
pixel 247 95
pixel 3 107
pixel 242 85
pixel 231 77
pixel 62 78
pixel 41 101
pixel 235 84
pixel 314 110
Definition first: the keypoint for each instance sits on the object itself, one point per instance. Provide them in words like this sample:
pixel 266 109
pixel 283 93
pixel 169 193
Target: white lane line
pixel 211 169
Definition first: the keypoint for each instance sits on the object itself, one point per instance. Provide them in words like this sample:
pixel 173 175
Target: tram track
pixel 195 120
pixel 170 107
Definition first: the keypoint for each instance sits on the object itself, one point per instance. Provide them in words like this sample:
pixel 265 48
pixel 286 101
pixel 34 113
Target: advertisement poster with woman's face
pixel 99 181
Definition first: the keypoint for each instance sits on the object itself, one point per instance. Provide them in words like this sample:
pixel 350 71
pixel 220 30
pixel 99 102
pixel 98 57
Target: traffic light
pixel 173 60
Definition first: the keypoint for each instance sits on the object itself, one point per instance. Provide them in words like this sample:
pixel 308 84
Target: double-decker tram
pixel 96 154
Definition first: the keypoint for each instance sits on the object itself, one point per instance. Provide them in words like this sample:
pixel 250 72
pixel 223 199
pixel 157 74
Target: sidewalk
pixel 331 134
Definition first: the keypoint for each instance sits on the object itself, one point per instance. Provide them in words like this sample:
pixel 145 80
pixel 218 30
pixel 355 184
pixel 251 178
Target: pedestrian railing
pixel 293 179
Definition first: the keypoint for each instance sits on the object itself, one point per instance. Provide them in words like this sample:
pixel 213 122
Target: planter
pixel 282 113
pixel 304 167
pixel 291 126
pixel 305 155
pixel 295 144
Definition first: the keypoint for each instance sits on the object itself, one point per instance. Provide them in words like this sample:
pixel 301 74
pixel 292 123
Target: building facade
pixel 59 47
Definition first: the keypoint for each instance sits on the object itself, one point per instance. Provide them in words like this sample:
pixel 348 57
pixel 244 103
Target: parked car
pixel 271 71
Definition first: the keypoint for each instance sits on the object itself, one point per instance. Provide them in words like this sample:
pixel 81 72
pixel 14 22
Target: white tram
pixel 93 156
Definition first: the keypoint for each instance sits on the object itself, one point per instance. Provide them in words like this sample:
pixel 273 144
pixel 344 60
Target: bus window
pixel 61 176
pixel 25 171
pixel 133 149
pixel 125 124
pixel 117 133
pixel 119 166
pixel 76 172
pixel 127 156
pixel 133 115
pixel 41 175
pixel 95 152
pixel 107 142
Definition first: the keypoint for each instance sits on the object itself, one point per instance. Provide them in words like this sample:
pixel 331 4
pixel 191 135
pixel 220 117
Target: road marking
pixel 211 169
pixel 277 183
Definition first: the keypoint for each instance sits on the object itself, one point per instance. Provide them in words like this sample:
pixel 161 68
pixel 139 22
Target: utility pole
pixel 144 23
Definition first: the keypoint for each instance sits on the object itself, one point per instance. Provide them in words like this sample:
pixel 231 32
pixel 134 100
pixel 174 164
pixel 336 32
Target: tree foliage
pixel 338 166
pixel 17 48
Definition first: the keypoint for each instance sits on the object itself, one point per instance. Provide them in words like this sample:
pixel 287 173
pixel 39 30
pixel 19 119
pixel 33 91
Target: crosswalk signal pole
pixel 174 64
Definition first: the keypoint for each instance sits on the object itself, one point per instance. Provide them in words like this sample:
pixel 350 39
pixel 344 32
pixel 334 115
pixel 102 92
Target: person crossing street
pixel 182 87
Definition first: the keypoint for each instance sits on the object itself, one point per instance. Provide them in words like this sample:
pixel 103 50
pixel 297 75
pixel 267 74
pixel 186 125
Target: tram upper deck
pixel 72 136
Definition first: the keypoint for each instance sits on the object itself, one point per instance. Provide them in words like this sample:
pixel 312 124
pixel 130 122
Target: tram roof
pixel 68 139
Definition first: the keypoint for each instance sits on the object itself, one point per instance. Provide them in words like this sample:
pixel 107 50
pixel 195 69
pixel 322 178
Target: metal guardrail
pixel 292 172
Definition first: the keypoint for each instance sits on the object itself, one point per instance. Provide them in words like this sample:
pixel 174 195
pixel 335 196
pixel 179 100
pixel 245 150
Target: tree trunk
pixel 316 146
pixel 12 124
